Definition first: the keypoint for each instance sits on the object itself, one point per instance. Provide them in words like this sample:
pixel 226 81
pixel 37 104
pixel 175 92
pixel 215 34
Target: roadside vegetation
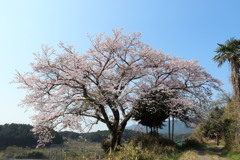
pixel 146 147
pixel 143 147
pixel 70 150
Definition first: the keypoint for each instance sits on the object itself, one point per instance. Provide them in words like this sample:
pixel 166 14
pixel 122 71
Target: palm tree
pixel 230 51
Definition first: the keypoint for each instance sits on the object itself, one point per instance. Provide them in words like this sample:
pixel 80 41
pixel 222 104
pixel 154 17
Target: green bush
pixel 192 143
pixel 129 152
pixel 106 146
pixel 36 155
pixel 146 147
pixel 155 143
pixel 31 155
pixel 13 152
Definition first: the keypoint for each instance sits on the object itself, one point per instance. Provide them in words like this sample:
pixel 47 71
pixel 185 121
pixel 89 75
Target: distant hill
pixel 98 136
pixel 20 135
pixel 181 133
pixel 179 128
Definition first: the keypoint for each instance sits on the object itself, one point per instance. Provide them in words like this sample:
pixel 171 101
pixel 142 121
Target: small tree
pixel 151 110
pixel 214 124
pixel 68 89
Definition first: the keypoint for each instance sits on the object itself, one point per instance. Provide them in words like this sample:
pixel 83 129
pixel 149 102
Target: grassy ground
pixel 148 149
pixel 231 155
pixel 71 150
pixel 82 149
pixel 214 153
pixel 224 153
pixel 1 155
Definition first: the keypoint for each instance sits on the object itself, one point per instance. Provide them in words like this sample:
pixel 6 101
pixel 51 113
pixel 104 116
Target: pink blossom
pixel 67 89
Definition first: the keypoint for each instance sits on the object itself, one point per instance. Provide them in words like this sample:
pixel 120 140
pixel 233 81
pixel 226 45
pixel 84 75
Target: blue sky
pixel 185 28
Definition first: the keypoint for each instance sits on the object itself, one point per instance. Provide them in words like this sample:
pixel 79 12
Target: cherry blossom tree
pixel 72 90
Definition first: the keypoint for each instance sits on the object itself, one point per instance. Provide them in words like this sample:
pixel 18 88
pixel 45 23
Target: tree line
pixel 98 136
pixel 22 136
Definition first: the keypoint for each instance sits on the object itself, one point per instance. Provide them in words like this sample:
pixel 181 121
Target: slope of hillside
pixel 98 136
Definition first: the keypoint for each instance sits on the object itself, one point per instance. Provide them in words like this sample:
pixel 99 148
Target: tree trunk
pixel 115 127
pixel 116 131
pixel 172 128
pixel 235 77
pixel 169 129
pixel 115 138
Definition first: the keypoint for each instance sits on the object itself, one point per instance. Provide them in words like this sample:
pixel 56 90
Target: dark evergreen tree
pixel 152 110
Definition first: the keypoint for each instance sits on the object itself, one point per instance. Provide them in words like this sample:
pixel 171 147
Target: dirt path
pixel 201 154
pixel 211 153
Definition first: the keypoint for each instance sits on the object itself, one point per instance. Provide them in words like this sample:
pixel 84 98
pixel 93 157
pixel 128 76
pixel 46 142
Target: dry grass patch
pixel 189 155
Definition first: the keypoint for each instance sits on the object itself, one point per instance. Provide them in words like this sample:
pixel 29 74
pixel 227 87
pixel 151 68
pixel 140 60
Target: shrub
pixel 155 143
pixel 192 143
pixel 31 155
pixel 14 152
pixel 106 146
pixel 129 152
pixel 36 155
pixel 146 147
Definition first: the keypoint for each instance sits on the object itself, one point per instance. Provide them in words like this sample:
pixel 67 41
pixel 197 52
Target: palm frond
pixel 229 51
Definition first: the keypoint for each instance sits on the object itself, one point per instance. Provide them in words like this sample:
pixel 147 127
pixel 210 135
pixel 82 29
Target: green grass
pixel 222 143
pixel 1 155
pixel 231 155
